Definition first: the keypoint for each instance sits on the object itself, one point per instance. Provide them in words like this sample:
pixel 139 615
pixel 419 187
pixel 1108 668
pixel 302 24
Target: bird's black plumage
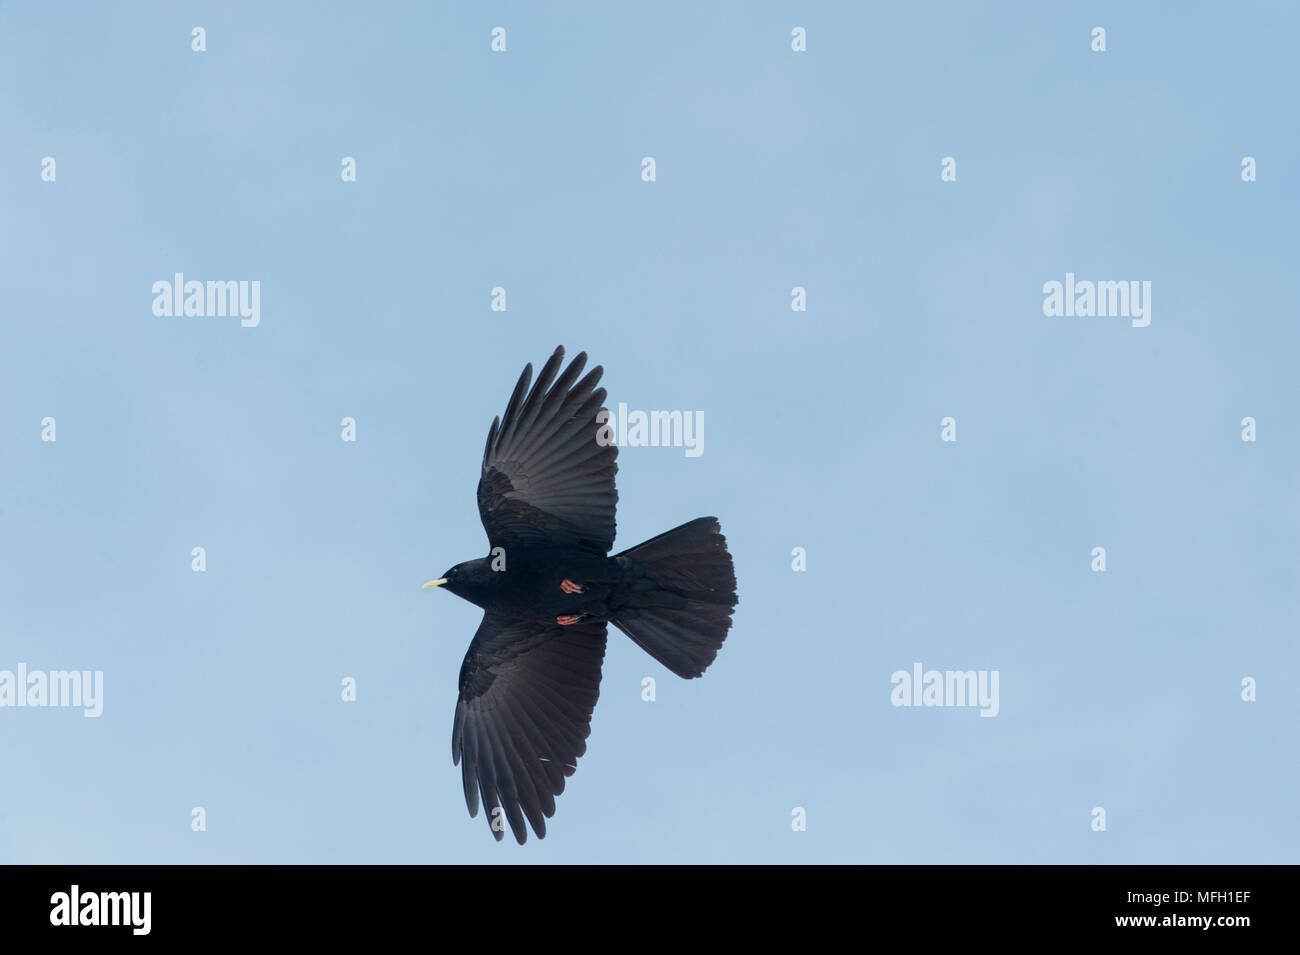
pixel 531 677
pixel 546 479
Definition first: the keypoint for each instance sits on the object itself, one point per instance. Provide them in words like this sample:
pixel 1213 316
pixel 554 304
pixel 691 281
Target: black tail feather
pixel 678 596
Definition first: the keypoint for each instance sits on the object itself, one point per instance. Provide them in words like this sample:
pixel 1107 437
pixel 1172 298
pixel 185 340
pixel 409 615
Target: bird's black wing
pixel 546 478
pixel 526 695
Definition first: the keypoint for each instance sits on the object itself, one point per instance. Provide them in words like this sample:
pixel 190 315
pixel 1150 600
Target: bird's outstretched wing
pixel 526 695
pixel 546 478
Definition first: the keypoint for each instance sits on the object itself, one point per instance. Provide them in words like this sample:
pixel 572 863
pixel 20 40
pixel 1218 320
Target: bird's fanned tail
pixel 678 596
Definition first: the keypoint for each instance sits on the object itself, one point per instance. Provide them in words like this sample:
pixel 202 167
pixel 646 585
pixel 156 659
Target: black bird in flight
pixel 532 674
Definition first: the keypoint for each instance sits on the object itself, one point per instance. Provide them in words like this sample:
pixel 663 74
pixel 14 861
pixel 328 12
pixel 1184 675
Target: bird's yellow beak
pixel 435 583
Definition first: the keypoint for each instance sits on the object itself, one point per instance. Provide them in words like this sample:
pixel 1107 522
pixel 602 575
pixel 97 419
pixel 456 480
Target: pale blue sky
pixel 775 169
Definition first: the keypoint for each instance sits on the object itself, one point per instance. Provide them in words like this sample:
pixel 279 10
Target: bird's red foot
pixel 568 619
pixel 569 587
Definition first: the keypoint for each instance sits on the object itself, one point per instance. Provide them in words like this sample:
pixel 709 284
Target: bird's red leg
pixel 568 619
pixel 569 587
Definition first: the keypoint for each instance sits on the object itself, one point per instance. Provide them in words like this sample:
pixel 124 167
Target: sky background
pixel 775 169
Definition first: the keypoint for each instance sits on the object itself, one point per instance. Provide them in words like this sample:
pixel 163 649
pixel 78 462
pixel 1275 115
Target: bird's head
pixel 472 580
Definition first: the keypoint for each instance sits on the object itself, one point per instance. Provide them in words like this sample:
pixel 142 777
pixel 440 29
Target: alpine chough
pixel 548 588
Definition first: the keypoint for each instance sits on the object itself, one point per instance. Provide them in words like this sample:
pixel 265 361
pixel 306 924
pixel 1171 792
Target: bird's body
pixel 548 589
pixel 530 586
